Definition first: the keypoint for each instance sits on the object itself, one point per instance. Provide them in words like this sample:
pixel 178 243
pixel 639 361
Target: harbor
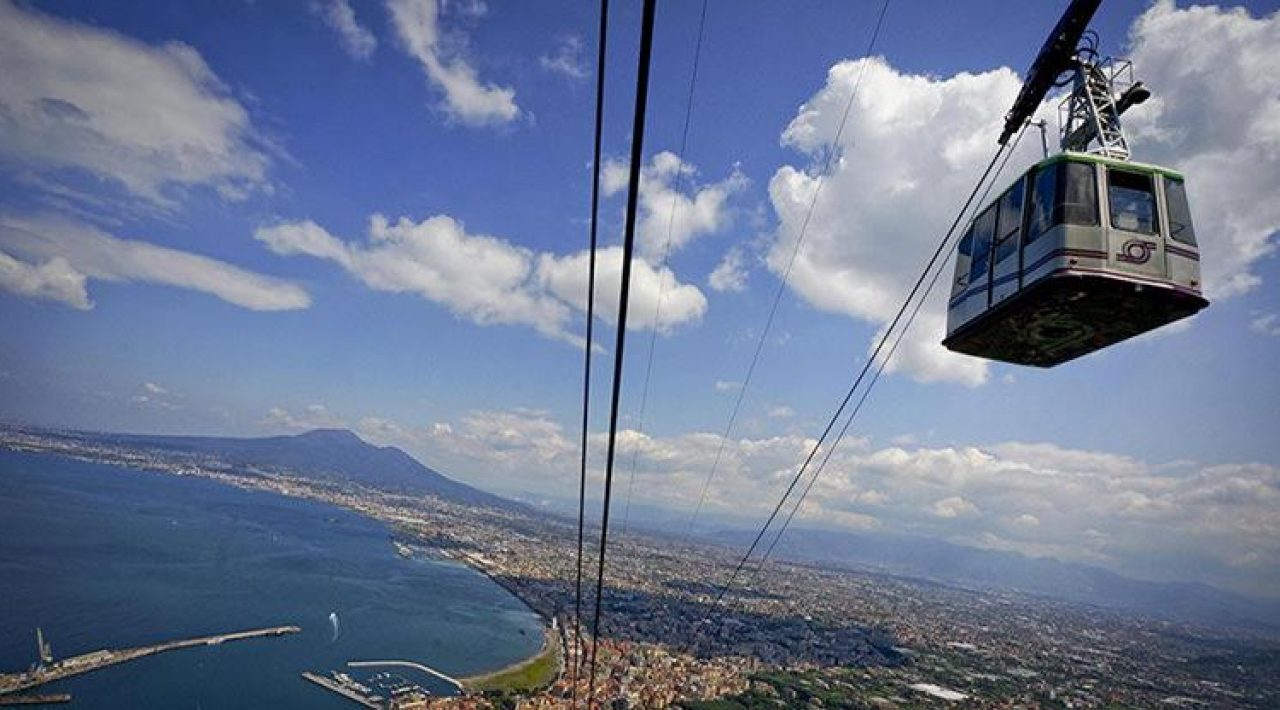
pixel 384 691
pixel 47 670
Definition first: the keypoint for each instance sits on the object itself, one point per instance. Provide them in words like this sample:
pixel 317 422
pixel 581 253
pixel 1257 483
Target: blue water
pixel 105 557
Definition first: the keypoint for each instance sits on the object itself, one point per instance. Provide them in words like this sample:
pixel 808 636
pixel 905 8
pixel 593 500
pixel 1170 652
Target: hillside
pixel 327 454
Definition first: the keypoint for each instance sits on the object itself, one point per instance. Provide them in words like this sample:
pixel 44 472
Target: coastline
pixel 526 676
pixel 311 490
pixel 554 641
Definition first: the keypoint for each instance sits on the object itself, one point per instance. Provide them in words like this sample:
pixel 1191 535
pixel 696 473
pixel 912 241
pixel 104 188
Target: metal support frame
pixel 1089 117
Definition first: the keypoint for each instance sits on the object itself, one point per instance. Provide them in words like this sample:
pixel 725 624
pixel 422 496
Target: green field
pixel 531 675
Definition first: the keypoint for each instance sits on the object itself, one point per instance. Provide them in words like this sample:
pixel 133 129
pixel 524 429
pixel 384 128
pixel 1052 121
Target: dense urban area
pixel 792 635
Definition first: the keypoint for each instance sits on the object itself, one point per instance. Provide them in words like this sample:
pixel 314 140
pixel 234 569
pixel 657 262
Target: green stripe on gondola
pixel 1110 162
pixel 1095 159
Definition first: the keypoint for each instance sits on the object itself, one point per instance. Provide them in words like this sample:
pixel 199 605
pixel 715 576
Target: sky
pixel 261 218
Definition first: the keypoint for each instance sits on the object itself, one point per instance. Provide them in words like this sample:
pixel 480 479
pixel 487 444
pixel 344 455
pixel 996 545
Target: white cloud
pixel 483 278
pixel 1039 499
pixel 566 59
pixel 566 277
pixel 155 119
pixel 666 210
pixel 356 40
pixel 313 416
pixel 1215 115
pixel 466 98
pixel 727 386
pixel 913 146
pixel 1265 324
pixel 729 274
pixel 156 397
pixel 71 251
pixel 490 280
pixel 781 412
pixel 53 280
pixel 953 507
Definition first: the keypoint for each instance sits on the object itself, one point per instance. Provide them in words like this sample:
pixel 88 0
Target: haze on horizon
pixel 248 220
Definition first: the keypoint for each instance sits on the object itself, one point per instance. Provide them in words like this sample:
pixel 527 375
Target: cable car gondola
pixel 1081 252
pixel 1086 248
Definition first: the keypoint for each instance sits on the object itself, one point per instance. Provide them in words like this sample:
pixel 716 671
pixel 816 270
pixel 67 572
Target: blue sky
pixel 257 218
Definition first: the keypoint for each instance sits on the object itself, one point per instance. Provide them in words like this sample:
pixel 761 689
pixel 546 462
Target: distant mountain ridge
pixel 972 567
pixel 326 454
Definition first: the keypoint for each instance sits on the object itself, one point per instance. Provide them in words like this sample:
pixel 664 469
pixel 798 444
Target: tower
pixel 43 647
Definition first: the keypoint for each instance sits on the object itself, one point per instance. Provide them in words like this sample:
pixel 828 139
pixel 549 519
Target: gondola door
pixel 1135 244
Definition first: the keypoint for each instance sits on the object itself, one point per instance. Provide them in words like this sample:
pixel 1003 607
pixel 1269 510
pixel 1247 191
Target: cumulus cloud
pixel 356 40
pixel 664 209
pixel 53 280
pixel 566 59
pixel 1265 324
pixel 467 99
pixel 910 150
pixel 154 119
pixel 154 396
pixel 914 145
pixel 566 277
pixel 1039 499
pixel 953 507
pixel 70 252
pixel 483 278
pixel 312 416
pixel 489 280
pixel 1215 115
pixel 730 275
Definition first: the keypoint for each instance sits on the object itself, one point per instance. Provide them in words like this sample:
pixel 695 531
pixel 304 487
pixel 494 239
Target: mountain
pixel 326 454
pixel 971 567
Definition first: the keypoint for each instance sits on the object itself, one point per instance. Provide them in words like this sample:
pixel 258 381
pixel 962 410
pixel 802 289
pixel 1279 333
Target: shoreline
pixel 553 641
pixel 252 483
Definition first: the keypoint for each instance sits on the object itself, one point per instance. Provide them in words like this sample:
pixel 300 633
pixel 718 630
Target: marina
pixel 347 688
pixel 384 691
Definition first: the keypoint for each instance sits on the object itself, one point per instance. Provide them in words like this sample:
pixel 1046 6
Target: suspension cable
pixel 586 368
pixel 835 417
pixel 786 276
pixel 666 252
pixel 902 332
pixel 628 247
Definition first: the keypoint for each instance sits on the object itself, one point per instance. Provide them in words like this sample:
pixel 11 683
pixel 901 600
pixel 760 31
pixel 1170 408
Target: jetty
pixel 6 700
pixel 48 670
pixel 346 688
pixel 417 666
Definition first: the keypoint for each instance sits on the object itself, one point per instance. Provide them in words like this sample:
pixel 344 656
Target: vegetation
pixel 526 677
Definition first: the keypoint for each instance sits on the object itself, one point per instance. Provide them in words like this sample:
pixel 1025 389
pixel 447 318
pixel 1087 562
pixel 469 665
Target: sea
pixel 100 557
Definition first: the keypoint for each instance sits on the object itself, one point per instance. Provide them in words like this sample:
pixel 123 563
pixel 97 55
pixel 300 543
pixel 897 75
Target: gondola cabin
pixel 1081 252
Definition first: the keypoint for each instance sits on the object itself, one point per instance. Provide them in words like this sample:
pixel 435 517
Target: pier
pixel 417 666
pixel 48 672
pixel 35 699
pixel 344 690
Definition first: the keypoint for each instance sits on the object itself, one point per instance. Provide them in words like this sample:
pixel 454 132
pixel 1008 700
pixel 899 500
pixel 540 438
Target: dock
pixel 35 699
pixel 84 663
pixel 457 684
pixel 346 692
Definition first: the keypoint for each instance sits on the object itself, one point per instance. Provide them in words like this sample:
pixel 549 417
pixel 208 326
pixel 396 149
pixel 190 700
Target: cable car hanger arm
pixel 1055 57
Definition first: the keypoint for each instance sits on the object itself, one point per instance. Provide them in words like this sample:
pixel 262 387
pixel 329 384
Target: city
pixel 795 631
